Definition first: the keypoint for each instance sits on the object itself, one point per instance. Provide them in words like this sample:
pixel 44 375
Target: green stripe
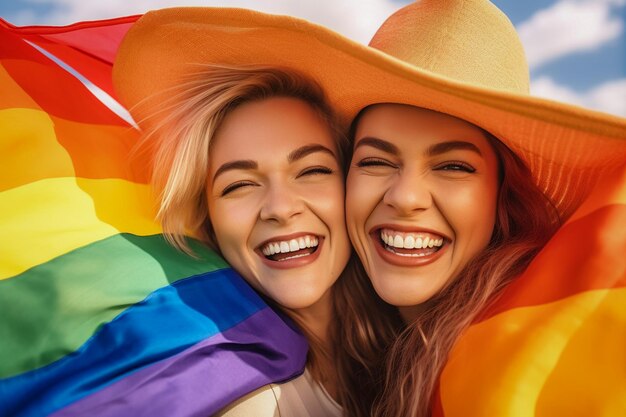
pixel 53 308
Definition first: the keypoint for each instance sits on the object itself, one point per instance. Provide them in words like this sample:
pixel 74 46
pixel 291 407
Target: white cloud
pixel 609 97
pixel 356 19
pixel 570 26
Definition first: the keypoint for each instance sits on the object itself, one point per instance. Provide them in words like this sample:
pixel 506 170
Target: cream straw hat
pixel 460 57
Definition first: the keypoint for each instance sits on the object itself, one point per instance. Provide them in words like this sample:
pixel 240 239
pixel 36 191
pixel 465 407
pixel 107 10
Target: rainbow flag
pixel 98 315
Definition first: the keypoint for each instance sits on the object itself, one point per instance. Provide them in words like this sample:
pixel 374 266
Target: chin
pixel 403 295
pixel 298 298
pixel 296 304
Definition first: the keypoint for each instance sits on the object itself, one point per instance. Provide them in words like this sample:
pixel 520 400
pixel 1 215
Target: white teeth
pixel 409 240
pixel 292 245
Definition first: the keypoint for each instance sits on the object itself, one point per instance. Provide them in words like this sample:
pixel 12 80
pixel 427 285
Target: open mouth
pixel 285 250
pixel 410 244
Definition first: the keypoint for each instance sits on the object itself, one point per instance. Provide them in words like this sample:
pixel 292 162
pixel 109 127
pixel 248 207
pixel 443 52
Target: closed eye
pixel 458 166
pixel 374 162
pixel 317 170
pixel 235 186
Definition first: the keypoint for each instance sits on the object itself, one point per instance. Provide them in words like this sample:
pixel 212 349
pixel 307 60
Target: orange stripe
pixel 99 151
pixel 12 94
pixel 29 150
pixel 560 359
pixel 35 146
pixel 584 255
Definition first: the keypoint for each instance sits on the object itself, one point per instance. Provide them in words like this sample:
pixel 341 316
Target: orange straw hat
pixel 460 57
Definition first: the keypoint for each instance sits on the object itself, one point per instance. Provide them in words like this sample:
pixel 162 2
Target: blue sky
pixel 576 48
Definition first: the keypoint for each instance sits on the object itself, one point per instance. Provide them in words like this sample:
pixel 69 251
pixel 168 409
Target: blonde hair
pixel 179 149
pixel 188 121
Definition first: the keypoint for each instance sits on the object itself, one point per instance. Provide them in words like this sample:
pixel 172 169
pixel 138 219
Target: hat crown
pixel 466 40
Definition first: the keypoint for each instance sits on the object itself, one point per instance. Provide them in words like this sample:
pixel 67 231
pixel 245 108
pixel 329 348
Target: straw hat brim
pixel 566 147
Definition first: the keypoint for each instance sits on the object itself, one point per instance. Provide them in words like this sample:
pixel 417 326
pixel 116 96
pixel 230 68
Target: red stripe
pixel 55 90
pixel 96 70
pixel 88 47
pixel 42 29
pixel 586 254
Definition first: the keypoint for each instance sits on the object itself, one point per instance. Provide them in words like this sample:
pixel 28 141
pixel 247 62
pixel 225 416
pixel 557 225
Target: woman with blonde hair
pixel 249 159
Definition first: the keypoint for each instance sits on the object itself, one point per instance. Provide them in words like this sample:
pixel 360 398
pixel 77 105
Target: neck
pixel 316 320
pixel 410 313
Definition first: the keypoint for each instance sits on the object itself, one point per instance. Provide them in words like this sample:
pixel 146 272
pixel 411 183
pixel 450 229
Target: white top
pixel 300 397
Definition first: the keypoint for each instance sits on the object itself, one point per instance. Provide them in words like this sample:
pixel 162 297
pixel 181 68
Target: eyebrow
pixel 307 150
pixel 293 156
pixel 444 147
pixel 432 150
pixel 232 165
pixel 380 144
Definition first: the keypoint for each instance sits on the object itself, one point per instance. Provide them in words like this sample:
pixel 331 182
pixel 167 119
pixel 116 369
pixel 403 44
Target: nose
pixel 281 204
pixel 408 193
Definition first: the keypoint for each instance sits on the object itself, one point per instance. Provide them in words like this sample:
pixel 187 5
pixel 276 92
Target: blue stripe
pixel 168 321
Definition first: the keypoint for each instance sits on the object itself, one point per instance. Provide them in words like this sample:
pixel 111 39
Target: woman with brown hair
pixel 457 183
pixel 443 216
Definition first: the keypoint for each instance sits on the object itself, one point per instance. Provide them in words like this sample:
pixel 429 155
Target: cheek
pixel 474 210
pixel 230 223
pixel 363 193
pixel 326 199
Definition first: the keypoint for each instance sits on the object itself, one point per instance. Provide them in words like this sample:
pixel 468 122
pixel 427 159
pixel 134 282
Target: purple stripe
pixel 206 377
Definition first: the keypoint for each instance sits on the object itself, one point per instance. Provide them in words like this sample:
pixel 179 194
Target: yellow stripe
pixel 29 150
pixel 565 358
pixel 48 218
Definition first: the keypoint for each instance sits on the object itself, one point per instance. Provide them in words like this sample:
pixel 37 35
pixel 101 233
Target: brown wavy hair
pixel 178 146
pixel 525 221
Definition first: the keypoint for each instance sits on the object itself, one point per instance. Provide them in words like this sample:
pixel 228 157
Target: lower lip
pixel 294 262
pixel 398 260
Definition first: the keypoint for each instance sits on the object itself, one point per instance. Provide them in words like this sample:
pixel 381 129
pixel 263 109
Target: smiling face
pixel 275 198
pixel 421 200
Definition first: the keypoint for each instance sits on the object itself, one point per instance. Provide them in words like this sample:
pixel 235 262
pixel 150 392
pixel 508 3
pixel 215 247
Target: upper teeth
pixel 285 246
pixel 410 240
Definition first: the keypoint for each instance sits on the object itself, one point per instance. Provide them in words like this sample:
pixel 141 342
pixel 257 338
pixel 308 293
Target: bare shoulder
pixel 261 403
